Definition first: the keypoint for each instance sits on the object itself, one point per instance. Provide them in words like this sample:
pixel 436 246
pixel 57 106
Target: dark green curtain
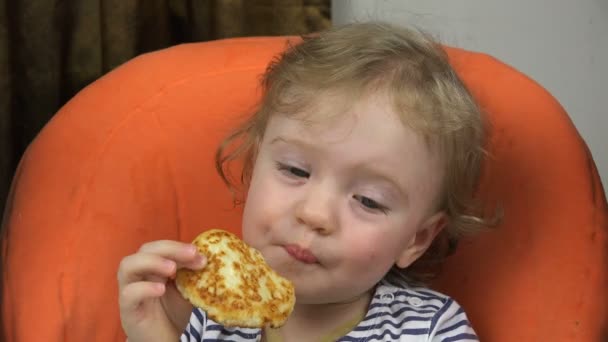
pixel 51 49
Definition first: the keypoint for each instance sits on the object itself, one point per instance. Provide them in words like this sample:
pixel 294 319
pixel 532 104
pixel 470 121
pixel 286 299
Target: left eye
pixel 370 203
pixel 293 171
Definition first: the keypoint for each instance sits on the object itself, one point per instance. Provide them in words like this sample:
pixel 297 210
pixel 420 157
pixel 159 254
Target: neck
pixel 321 322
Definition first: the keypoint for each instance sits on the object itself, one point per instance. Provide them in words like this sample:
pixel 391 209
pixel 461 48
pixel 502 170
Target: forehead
pixel 366 131
pixel 334 117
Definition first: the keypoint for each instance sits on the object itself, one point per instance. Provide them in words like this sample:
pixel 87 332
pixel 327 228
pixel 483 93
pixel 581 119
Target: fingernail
pixel 192 249
pixel 199 259
pixel 170 265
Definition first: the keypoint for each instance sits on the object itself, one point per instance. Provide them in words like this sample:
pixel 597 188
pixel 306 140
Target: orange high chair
pixel 130 159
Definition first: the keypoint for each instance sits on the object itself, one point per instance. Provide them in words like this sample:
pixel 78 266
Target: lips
pixel 301 254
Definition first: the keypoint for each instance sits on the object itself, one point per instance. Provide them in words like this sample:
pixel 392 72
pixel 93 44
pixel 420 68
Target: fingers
pixel 143 292
pixel 184 254
pixel 142 266
pixel 134 294
pixel 158 260
pixel 174 250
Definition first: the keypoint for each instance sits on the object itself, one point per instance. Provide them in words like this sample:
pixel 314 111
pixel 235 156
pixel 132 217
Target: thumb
pixel 178 308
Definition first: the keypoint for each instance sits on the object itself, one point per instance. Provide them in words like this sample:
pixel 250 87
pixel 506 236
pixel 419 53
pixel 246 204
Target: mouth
pixel 301 254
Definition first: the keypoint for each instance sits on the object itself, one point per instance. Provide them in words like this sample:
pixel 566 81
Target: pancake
pixel 236 288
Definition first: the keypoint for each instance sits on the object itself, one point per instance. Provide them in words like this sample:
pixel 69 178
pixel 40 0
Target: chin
pixel 320 296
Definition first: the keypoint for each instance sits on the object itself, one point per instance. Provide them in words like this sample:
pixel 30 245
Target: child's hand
pixel 151 308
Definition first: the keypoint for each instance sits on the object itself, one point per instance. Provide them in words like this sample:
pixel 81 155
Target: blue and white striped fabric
pixel 395 314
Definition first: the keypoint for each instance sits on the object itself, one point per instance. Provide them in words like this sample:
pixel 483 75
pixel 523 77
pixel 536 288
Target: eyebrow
pixel 362 169
pixel 298 142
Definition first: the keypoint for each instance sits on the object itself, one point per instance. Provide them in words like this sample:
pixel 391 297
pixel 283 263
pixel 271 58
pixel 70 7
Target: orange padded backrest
pixel 130 159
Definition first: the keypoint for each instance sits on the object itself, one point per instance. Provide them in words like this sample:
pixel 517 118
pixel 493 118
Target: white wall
pixel 562 44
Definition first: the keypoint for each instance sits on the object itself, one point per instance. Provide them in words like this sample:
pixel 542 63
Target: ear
pixel 423 238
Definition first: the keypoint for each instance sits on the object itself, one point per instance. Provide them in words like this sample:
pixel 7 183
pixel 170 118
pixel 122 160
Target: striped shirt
pixel 394 314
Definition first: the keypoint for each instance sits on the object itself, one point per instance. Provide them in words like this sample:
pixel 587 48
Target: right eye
pixel 293 171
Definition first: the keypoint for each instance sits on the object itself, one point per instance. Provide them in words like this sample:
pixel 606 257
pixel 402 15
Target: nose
pixel 316 209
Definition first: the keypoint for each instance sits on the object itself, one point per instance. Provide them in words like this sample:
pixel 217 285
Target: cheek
pixel 263 205
pixel 370 251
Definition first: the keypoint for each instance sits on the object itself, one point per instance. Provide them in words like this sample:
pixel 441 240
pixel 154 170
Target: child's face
pixel 334 205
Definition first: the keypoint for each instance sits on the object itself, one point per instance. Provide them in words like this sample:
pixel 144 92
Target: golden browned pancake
pixel 237 287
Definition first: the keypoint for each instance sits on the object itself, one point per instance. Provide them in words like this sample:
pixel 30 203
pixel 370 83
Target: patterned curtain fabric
pixel 50 49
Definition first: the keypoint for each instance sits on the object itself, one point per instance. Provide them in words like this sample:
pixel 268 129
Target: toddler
pixel 359 170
